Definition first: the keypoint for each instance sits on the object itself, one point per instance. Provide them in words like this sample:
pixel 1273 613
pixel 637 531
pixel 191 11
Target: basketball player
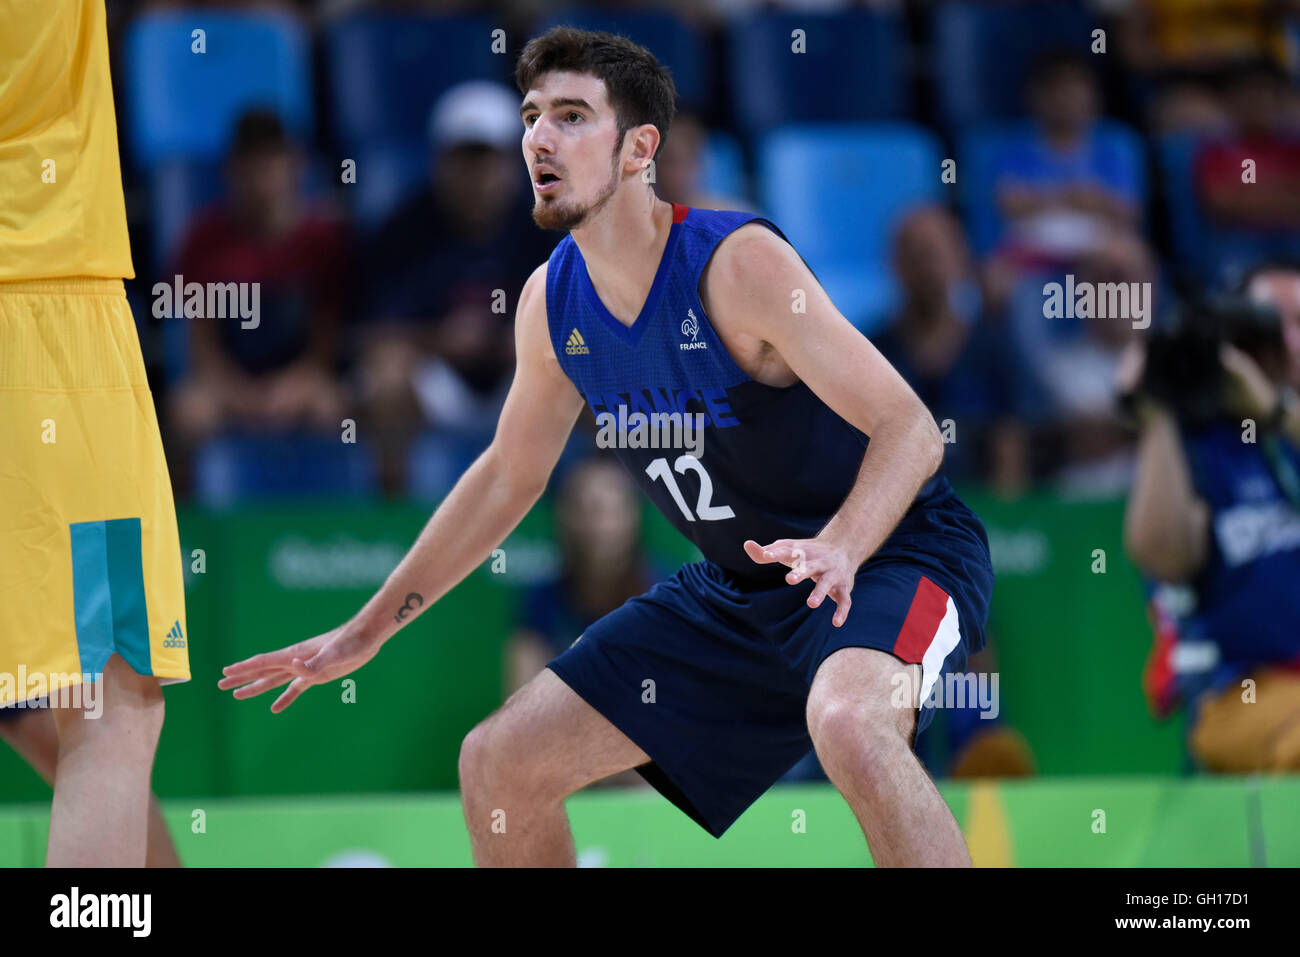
pixel 713 682
pixel 90 574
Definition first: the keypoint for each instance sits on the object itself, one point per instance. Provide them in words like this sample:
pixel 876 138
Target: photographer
pixel 1215 505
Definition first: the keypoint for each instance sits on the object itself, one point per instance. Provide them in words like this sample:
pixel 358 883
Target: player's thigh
pixel 546 738
pixel 122 711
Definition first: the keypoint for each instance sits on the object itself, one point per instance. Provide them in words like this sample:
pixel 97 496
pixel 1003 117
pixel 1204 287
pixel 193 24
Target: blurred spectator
pixel 1075 359
pixel 602 565
pixel 1063 190
pixel 443 277
pixel 963 366
pixel 1267 204
pixel 1277 284
pixel 1181 50
pixel 279 374
pixel 1215 506
pixel 679 169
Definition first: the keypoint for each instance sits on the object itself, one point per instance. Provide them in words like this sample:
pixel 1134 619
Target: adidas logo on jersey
pixel 691 327
pixel 174 639
pixel 576 346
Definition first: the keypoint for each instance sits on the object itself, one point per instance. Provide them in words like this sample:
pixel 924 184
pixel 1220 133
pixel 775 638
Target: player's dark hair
pixel 638 86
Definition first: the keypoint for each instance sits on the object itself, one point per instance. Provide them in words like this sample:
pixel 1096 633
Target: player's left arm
pixel 752 286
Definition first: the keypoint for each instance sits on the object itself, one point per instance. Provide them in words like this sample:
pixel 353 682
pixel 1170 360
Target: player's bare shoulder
pixel 532 337
pixel 736 289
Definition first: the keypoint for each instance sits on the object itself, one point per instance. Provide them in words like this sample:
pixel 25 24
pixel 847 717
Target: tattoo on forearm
pixel 413 601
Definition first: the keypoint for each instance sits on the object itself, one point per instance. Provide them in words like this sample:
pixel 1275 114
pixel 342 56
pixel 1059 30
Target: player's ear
pixel 645 142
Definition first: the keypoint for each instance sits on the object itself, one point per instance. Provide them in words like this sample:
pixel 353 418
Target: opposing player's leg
pixel 519 764
pixel 94 580
pixel 864 741
pixel 34 735
pixel 100 814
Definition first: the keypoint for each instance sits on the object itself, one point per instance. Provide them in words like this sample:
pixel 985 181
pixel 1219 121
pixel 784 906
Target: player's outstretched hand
pixel 311 662
pixel 829 565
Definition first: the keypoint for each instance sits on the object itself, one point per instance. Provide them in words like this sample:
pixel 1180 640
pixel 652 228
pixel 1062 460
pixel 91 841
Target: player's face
pixel 570 132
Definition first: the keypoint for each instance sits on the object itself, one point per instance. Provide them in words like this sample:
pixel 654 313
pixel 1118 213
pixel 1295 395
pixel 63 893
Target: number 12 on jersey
pixel 658 469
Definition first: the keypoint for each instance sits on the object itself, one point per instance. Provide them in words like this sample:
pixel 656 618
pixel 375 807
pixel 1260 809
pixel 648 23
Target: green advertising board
pixel 1069 638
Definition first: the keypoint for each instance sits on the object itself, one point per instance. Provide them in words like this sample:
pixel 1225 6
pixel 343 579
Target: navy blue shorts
pixel 732 663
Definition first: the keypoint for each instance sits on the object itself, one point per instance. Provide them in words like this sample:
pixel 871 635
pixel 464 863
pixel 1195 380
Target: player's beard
pixel 556 214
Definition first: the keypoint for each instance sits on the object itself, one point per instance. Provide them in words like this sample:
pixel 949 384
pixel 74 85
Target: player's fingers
pixel 765 554
pixel 291 693
pixel 842 605
pixel 805 569
pixel 262 685
pixel 819 593
pixel 247 677
pixel 256 665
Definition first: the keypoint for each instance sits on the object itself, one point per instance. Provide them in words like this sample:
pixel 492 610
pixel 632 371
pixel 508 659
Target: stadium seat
pixel 981 53
pixel 854 68
pixel 838 192
pixel 182 104
pixel 724 166
pixel 979 152
pixel 386 174
pixel 676 44
pixel 384 72
pixel 238 467
pixel 437 460
pixel 1189 231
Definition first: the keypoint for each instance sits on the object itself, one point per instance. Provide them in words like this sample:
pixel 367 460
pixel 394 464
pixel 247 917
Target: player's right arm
pixel 490 499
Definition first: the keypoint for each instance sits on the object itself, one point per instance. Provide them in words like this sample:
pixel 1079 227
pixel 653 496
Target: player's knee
pixel 485 763
pixel 474 757
pixel 863 733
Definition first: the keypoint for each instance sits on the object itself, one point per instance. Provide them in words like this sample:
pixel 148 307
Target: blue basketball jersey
pixel 773 462
pixel 1247 599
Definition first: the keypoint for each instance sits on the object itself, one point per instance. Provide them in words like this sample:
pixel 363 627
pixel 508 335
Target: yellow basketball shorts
pixel 90 561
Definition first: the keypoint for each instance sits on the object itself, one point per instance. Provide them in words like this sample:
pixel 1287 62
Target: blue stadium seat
pixel 981 53
pixel 980 149
pixel 437 460
pixel 676 44
pixel 384 72
pixel 838 193
pixel 239 467
pixel 855 67
pixel 386 174
pixel 724 166
pixel 182 104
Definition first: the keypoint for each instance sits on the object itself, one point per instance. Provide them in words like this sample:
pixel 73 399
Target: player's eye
pixel 528 120
pixel 573 113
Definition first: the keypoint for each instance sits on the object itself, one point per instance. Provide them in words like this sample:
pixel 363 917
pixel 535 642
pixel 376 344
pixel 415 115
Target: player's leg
pixel 33 734
pixel 864 741
pixel 519 764
pixel 100 814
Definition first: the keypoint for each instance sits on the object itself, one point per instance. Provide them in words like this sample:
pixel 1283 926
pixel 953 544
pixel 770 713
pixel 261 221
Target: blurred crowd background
pixel 361 162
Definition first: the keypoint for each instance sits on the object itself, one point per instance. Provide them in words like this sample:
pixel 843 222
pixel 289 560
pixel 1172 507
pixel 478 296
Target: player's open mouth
pixel 545 182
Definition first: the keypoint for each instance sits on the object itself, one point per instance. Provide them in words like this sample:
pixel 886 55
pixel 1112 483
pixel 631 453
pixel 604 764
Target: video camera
pixel 1183 370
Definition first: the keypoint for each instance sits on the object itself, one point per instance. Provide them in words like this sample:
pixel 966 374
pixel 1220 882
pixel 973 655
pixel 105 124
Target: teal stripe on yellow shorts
pixel 108 594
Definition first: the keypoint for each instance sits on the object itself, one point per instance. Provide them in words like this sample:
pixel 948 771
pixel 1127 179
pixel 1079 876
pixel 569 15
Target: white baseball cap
pixel 477 111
